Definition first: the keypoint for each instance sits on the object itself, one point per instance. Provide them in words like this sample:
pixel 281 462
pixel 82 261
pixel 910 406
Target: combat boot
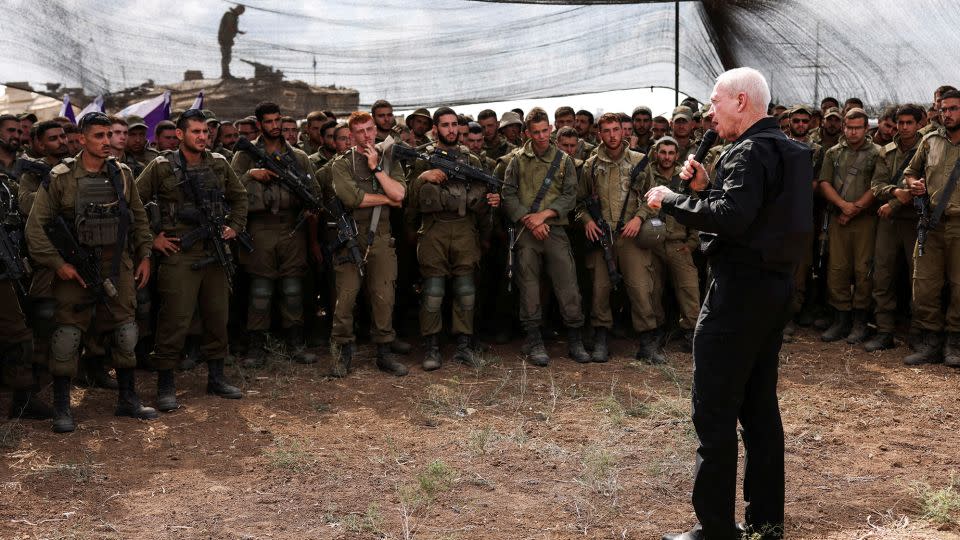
pixel 649 350
pixel 824 320
pixel 190 354
pixel 217 383
pixel 600 351
pixel 928 350
pixel 858 332
pixel 295 344
pixel 534 349
pixel 343 358
pixel 62 419
pixel 256 353
pixel 166 391
pixel 431 352
pixel 398 346
pixel 465 353
pixel 841 327
pixel 951 351
pixel 575 347
pixel 128 403
pixel 387 361
pixel 880 342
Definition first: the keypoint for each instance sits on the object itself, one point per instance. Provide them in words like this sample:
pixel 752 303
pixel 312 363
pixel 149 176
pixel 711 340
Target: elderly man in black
pixel 753 224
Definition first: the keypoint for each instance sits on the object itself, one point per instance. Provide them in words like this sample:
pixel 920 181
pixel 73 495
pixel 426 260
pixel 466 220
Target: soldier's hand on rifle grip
pixel 903 195
pixel 632 228
pixel 592 230
pixel 918 186
pixel 67 273
pixel 262 175
pixel 493 200
pixel 142 275
pixel 166 245
pixel 694 173
pixel 228 233
pixel 434 176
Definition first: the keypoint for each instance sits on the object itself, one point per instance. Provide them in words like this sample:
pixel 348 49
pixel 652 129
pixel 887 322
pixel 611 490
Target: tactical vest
pixel 182 213
pixel 97 219
pixel 271 197
pixel 451 200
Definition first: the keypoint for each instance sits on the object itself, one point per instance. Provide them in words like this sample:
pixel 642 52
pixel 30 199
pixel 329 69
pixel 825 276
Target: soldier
pixel 229 28
pixel 9 145
pixel 19 370
pixel 174 181
pixel 642 121
pixel 279 257
pixel 659 127
pixel 165 136
pixel 845 179
pixel 314 141
pixel 495 145
pixel 382 112
pixel 540 191
pixel 27 120
pixel 96 197
pixel 609 178
pixel 290 131
pixel 73 139
pixel 830 130
pixel 933 171
pixel 897 227
pixel 682 129
pixel 247 128
pixel 675 253
pixel 571 144
pixel 365 187
pixel 886 127
pixel 474 142
pixel 827 103
pixel 511 125
pixel 584 126
pixel 933 113
pixel 119 132
pixel 215 142
pixel 448 246
pixel 419 122
pixel 228 137
pixel 328 148
pixel 137 141
pixel 563 117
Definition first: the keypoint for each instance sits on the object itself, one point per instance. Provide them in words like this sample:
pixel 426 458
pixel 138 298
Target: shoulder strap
pixel 116 180
pixel 852 171
pixel 547 182
pixel 945 195
pixel 895 179
pixel 634 176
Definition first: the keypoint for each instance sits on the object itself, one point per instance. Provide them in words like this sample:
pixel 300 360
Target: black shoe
pixel 600 351
pixel 295 344
pixel 386 361
pixel 62 419
pixel 398 346
pixel 649 350
pixel 431 353
pixel 27 405
pixel 217 384
pixel 880 342
pixel 840 328
pixel 256 353
pixel 166 391
pixel 928 350
pixel 465 353
pixel 128 403
pixel 951 351
pixel 859 330
pixel 575 347
pixel 534 349
pixel 343 356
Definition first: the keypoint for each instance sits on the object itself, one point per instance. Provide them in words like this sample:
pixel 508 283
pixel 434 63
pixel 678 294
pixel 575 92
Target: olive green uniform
pixel 448 244
pixel 803 269
pixel 894 236
pixel 675 254
pixel 352 178
pixel 75 193
pixel 934 160
pixel 498 149
pixel 182 288
pixel 16 340
pixel 609 180
pixel 145 157
pixel 851 246
pixel 524 176
pixel 279 251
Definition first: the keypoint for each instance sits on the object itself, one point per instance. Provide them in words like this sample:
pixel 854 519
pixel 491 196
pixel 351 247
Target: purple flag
pixel 153 111
pixel 66 110
pixel 198 102
pixel 94 106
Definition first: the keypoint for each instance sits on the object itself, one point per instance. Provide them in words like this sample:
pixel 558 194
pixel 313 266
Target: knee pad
pixel 433 293
pixel 465 291
pixel 292 289
pixel 144 302
pixel 65 343
pixel 125 337
pixel 42 313
pixel 261 289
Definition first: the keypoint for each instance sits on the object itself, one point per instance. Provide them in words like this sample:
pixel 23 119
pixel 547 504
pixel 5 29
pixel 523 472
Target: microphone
pixel 709 138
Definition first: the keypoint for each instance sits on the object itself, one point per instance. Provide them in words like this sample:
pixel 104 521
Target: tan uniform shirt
pixel 611 181
pixel 890 162
pixel 352 178
pixel 850 171
pixel 933 162
pixel 524 176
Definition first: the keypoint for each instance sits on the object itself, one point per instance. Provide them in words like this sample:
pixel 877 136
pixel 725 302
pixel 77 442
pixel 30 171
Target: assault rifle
pixel 592 205
pixel 86 262
pixel 446 162
pixel 39 168
pixel 14 266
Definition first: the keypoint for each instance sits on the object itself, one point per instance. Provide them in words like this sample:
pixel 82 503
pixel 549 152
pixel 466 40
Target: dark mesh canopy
pixel 459 51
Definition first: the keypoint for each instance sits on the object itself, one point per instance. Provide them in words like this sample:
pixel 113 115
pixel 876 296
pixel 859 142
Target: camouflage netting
pixel 460 51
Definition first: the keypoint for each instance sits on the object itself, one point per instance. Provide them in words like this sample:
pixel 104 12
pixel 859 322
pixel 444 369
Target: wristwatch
pixel 377 169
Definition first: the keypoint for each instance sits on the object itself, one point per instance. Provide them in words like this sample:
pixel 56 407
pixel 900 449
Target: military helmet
pixel 652 233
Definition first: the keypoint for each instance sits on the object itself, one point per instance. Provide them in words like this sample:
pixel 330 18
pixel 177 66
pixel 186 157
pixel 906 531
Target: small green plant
pixel 436 478
pixel 938 505
pixel 599 468
pixel 288 454
pixel 479 440
pixel 370 522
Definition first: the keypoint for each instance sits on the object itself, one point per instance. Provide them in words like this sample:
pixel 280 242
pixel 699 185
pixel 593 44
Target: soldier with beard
pixel 9 145
pixel 642 122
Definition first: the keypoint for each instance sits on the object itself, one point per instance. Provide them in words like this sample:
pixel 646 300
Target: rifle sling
pixel 547 181
pixel 634 175
pixel 116 181
pixel 945 195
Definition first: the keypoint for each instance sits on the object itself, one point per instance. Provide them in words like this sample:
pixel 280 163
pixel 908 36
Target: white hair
pixel 749 81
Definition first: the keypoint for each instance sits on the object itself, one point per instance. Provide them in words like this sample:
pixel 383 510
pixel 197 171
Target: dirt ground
pixel 506 451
